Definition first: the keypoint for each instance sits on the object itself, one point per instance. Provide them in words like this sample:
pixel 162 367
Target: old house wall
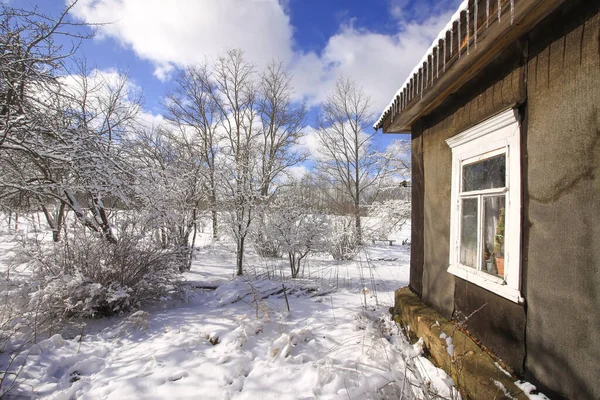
pixel 417 214
pixel 500 324
pixel 552 74
pixel 561 249
pixel 554 339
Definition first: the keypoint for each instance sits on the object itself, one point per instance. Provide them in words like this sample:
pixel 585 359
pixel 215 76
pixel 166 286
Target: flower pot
pixel 500 266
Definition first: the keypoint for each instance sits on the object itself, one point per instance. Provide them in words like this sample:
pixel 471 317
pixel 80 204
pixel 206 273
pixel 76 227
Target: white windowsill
pixel 489 282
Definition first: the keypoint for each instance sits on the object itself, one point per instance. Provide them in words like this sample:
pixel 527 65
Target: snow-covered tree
pixel 235 93
pixel 194 112
pixel 246 126
pixel 281 125
pixel 297 230
pixel 389 216
pixel 60 133
pixel 170 191
pixel 101 110
pixel 347 154
pixel 31 60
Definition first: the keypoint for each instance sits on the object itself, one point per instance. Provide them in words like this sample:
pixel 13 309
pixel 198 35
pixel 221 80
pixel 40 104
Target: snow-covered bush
pixel 87 276
pixel 266 239
pixel 341 241
pixel 388 216
pixel 297 232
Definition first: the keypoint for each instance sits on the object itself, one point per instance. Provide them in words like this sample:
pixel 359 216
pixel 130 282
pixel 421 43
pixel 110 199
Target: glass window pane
pixel 486 174
pixel 468 234
pixel 493 227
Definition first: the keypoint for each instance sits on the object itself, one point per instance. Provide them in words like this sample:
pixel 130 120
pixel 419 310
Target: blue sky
pixel 375 42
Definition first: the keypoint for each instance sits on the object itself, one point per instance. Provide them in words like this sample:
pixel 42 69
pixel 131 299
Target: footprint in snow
pixel 177 376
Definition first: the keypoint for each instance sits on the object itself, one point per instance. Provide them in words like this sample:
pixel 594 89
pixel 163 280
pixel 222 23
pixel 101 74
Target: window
pixel 485 231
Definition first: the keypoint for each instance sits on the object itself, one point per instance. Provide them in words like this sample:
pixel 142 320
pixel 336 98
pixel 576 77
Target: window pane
pixel 486 174
pixel 493 226
pixel 468 235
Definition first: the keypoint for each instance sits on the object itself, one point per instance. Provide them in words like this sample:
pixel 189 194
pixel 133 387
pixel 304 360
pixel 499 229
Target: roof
pixel 477 32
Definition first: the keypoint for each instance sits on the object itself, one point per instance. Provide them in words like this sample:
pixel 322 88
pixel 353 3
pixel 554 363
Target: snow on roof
pixel 429 53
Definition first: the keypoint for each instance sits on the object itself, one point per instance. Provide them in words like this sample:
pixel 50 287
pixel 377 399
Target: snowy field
pixel 234 338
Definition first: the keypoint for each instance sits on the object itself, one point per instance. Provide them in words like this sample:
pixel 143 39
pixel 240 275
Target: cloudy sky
pixel 375 42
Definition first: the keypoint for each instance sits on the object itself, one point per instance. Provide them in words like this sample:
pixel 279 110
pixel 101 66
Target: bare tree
pixel 102 110
pixel 235 94
pixel 347 155
pixel 171 191
pixel 282 121
pixel 52 132
pixel 30 61
pixel 72 158
pixel 298 230
pixel 245 126
pixel 192 108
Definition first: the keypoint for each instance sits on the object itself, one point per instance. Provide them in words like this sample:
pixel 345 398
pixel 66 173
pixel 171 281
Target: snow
pixel 528 389
pixel 240 342
pixel 501 386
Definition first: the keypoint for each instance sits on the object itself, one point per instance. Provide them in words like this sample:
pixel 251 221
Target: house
pixel 504 117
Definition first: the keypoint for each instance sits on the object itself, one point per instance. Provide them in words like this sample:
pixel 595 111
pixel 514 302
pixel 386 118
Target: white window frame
pixel 497 135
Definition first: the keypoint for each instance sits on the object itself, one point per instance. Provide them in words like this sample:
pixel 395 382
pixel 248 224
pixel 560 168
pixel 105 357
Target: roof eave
pixel 490 44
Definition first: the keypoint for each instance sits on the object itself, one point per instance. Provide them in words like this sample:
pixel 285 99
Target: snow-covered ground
pixel 240 342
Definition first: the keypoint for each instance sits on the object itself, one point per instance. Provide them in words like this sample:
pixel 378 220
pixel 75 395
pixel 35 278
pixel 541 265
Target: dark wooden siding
pixel 416 249
pixel 553 75
pixel 561 252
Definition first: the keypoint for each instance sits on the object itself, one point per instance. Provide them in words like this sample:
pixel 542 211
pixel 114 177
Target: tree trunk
pixel 193 242
pixel 215 234
pixel 293 267
pixel 240 256
pixel 107 232
pixel 55 223
pixel 60 219
pixel 357 225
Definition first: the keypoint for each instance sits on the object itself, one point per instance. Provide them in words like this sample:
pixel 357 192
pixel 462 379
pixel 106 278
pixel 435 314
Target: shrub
pixel 341 241
pixel 86 276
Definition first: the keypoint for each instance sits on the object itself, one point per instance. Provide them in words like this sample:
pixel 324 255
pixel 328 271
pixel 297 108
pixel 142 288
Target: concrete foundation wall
pixel 562 209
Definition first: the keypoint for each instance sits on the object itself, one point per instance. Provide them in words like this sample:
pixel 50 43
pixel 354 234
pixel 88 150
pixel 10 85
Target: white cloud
pixel 178 33
pixel 297 171
pixel 309 142
pixel 99 87
pixel 378 62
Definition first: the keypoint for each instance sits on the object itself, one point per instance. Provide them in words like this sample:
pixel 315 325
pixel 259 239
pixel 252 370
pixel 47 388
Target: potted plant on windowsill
pixel 499 244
